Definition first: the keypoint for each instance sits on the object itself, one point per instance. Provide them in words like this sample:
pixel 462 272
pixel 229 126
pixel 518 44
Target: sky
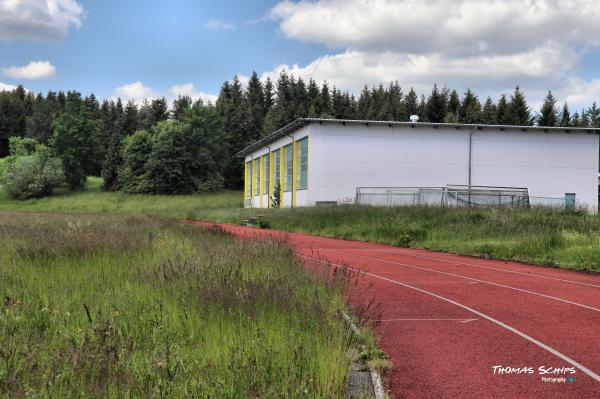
pixel 139 49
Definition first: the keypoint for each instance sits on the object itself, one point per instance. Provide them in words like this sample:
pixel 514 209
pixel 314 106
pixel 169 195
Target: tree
pixel 181 106
pixel 454 102
pixel 130 119
pixel 411 103
pixel 12 118
pixel 153 112
pixel 594 115
pixel 547 116
pixel 518 110
pixel 436 106
pixel 73 140
pixel 254 107
pixel 113 160
pixel 503 111
pixel 136 152
pixel 565 116
pixel 39 123
pixel 489 112
pixel 364 103
pixel 325 108
pixel 470 108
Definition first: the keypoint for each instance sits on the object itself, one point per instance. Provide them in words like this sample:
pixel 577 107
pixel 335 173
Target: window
pixel 289 168
pixel 257 177
pixel 570 201
pixel 277 165
pixel 265 189
pixel 249 179
pixel 302 164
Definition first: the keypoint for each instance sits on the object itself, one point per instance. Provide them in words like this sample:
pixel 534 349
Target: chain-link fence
pixel 453 196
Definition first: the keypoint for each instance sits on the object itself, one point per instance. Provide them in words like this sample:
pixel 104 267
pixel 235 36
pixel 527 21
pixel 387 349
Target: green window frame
pixel 289 168
pixel 277 165
pixel 302 183
pixel 249 192
pixel 265 189
pixel 257 181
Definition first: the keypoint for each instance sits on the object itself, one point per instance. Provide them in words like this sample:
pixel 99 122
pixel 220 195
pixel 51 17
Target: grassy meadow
pixel 539 235
pixel 122 306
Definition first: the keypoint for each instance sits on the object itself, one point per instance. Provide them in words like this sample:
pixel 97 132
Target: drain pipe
pixel 471 161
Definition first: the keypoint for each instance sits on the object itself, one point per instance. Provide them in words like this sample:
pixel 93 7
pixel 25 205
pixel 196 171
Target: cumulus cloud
pixel 136 91
pixel 188 89
pixel 39 19
pixel 7 87
pixel 32 71
pixel 217 24
pixel 489 46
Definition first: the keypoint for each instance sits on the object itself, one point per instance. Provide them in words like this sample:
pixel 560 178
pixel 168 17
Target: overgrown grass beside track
pixel 541 236
pixel 137 307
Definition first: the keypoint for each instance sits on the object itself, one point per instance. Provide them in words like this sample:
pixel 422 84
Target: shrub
pixel 33 176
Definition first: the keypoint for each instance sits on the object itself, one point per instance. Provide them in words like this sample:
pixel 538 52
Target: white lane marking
pixel 478 313
pixel 455 262
pixel 472 279
pixel 461 320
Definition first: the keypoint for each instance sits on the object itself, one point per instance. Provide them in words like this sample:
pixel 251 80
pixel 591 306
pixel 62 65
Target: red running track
pixel 448 320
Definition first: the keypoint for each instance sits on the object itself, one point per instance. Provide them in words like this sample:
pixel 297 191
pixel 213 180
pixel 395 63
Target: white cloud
pixel 39 19
pixel 136 91
pixel 188 89
pixel 7 87
pixel 217 24
pixel 32 71
pixel 489 46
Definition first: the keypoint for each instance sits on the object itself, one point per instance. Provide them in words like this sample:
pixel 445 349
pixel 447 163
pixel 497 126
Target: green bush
pixel 33 176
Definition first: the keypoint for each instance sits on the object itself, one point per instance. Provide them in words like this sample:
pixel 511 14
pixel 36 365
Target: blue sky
pixel 143 49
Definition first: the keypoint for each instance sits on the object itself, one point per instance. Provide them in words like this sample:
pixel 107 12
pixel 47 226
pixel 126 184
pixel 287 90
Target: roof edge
pixel 301 122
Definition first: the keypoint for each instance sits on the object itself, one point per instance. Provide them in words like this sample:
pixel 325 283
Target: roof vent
pixel 414 118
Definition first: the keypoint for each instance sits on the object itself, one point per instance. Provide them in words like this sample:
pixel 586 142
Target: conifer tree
pixel 422 109
pixel 503 111
pixel 454 103
pixel 364 103
pixel 547 115
pixel 325 109
pixel 254 107
pixel 181 106
pixel 313 99
pixel 130 121
pixel 436 105
pixel 470 108
pixel 411 104
pixel 565 116
pixel 489 112
pixel 518 110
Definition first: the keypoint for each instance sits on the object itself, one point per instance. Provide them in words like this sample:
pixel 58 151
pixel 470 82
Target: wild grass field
pixel 121 306
pixel 539 235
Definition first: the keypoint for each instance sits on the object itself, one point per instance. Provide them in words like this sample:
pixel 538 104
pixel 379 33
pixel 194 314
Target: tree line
pixel 190 146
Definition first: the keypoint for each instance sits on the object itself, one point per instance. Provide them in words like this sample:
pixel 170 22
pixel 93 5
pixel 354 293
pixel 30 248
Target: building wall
pixel 343 158
pixel 288 198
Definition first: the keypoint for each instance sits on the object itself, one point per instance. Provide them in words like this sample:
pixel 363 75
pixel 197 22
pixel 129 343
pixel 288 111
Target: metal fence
pixel 453 196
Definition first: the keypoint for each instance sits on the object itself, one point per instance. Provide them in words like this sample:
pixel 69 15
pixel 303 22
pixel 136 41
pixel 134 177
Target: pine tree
pixel 470 108
pixel 436 105
pixel 130 122
pixel 254 107
pixel 518 110
pixel 503 111
pixel 454 104
pixel 325 106
pixel 411 104
pixel 313 99
pixel 565 116
pixel 422 109
pixel 489 112
pixel 547 115
pixel 113 160
pixel 300 99
pixel 39 124
pixel 594 115
pixel 364 103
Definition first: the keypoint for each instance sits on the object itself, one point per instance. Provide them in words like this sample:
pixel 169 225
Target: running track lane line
pixel 470 278
pixel 542 345
pixel 455 262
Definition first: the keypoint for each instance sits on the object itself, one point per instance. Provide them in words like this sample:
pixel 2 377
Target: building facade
pixel 314 161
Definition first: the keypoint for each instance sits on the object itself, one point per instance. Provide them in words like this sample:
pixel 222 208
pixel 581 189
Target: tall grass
pixel 538 235
pixel 139 307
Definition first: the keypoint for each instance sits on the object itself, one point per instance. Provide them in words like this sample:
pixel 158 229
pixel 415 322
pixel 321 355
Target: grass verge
pixel 142 307
pixel 539 235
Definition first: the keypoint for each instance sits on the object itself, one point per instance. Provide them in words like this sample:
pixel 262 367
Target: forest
pixel 190 145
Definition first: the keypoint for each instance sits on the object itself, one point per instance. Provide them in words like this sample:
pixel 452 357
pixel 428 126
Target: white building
pixel 326 160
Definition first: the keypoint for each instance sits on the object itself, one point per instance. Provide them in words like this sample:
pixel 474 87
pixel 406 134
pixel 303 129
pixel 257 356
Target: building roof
pixel 301 122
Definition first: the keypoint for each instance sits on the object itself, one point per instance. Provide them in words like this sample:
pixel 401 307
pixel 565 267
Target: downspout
pixel 269 185
pixel 471 161
pixel 251 181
